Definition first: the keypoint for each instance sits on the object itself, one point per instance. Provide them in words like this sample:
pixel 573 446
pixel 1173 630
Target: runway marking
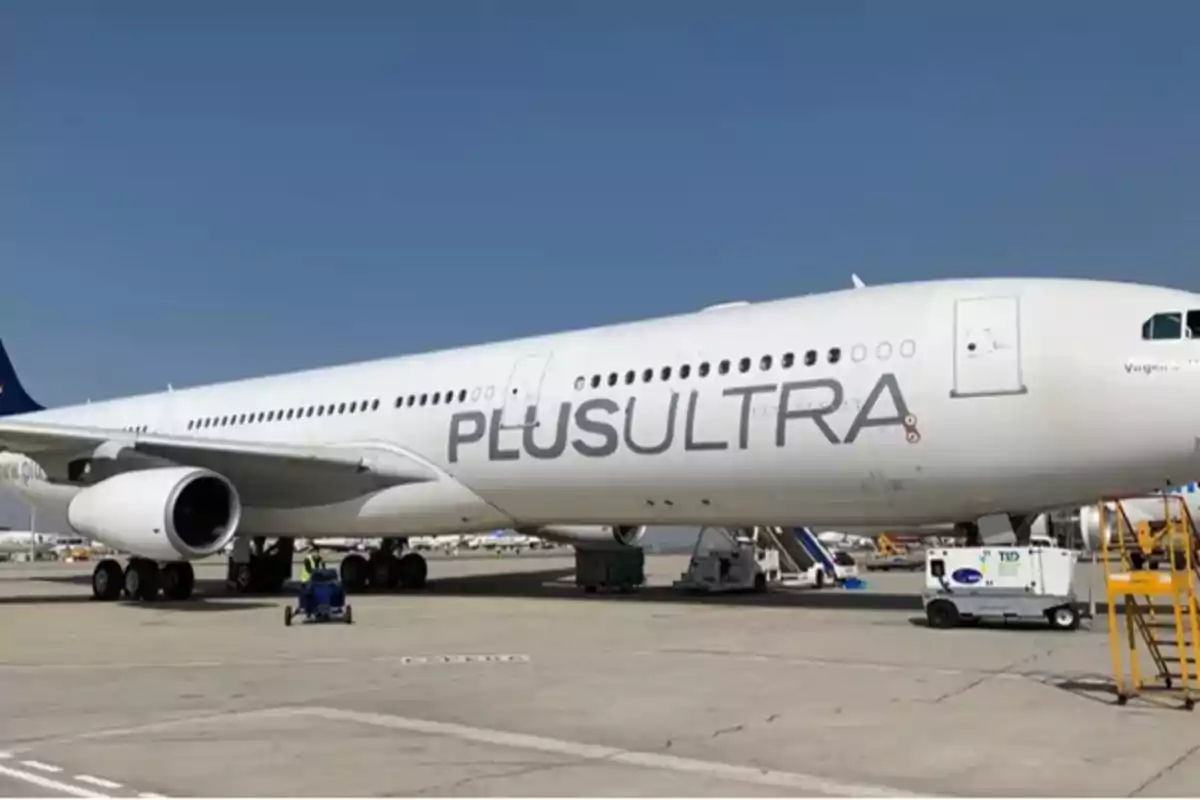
pixel 42 766
pixel 802 783
pixel 149 795
pixel 92 779
pixel 49 783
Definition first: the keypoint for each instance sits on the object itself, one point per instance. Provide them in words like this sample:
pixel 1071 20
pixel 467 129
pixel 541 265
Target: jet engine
pixel 589 536
pixel 1136 511
pixel 165 514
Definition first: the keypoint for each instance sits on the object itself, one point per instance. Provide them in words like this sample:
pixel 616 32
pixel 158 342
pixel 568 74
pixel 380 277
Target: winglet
pixel 858 283
pixel 13 397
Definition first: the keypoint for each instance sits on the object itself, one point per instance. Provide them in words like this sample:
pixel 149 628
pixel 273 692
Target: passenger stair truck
pixel 1151 569
pixel 1001 583
pixel 838 567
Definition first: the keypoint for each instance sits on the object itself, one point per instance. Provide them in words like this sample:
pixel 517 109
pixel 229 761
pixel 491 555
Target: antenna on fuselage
pixel 858 282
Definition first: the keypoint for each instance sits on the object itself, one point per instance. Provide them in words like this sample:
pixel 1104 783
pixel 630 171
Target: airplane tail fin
pixel 13 397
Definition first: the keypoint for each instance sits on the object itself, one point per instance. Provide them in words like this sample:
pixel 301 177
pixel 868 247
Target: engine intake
pixel 166 514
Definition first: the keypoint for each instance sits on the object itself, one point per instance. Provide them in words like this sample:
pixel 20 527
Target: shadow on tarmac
pixel 547 584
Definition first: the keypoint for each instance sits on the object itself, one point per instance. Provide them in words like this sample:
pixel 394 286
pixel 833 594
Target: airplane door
pixel 523 389
pixel 987 347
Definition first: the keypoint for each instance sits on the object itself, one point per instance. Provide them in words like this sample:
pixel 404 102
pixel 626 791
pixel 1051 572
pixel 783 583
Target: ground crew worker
pixel 312 563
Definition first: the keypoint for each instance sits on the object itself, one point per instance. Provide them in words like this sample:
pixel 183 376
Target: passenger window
pixel 612 379
pixel 1163 326
pixel 723 367
pixel 580 382
pixel 630 376
pixel 810 358
pixel 704 367
pixel 342 406
pixel 462 395
pixel 684 371
pixel 424 399
pixel 666 373
pixel 744 365
pixel 436 397
pixel 765 364
pixel 647 375
pixel 835 355
pixel 788 360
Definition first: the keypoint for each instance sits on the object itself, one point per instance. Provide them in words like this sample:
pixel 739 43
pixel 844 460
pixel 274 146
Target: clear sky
pixel 197 191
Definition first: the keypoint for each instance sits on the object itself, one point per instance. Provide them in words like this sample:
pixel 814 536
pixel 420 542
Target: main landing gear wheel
pixel 412 571
pixel 107 580
pixel 353 572
pixel 383 572
pixel 178 580
pixel 142 579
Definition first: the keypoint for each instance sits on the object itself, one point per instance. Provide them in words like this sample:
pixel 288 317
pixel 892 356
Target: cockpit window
pixel 1193 325
pixel 1164 326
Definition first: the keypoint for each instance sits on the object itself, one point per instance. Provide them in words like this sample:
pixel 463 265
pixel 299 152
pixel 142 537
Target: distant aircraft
pixel 883 405
pixel 16 542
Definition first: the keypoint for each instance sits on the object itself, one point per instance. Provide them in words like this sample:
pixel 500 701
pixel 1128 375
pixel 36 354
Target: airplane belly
pixel 432 507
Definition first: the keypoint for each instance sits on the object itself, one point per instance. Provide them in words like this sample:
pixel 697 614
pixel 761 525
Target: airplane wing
pixel 266 475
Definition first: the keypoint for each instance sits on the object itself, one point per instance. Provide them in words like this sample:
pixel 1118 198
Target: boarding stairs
pixel 794 561
pixel 1152 569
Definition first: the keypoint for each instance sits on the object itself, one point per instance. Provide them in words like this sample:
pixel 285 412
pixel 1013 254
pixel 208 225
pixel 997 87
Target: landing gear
pixel 255 568
pixel 178 580
pixel 108 579
pixel 142 580
pixel 385 569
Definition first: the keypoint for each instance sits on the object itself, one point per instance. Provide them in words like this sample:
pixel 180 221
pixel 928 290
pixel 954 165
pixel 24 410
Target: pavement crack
pixel 1163 772
pixel 725 731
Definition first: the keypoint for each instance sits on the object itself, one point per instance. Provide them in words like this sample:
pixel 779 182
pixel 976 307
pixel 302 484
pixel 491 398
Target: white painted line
pixel 92 779
pixel 149 795
pixel 43 767
pixel 800 782
pixel 47 783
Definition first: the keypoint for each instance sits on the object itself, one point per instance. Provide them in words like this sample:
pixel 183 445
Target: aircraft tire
pixel 108 579
pixel 413 571
pixel 142 579
pixel 178 580
pixel 353 572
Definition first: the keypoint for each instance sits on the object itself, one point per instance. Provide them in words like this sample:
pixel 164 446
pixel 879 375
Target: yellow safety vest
pixel 311 564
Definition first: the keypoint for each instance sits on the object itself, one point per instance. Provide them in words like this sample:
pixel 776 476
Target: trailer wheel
pixel 1064 618
pixel 941 614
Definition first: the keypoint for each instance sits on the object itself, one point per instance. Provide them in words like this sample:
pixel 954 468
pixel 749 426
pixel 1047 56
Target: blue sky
pixel 196 191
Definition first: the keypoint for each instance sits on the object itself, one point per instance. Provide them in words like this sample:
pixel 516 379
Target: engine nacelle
pixel 165 514
pixel 586 536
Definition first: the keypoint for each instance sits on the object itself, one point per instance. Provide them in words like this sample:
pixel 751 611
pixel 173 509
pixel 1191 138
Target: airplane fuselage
pixel 912 403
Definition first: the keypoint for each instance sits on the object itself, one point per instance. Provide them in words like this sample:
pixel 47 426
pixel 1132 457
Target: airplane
pixel 16 542
pixel 909 403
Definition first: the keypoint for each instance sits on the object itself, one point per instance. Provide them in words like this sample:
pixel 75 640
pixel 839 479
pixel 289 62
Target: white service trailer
pixel 1001 583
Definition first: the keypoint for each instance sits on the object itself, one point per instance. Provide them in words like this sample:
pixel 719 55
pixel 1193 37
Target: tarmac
pixel 503 679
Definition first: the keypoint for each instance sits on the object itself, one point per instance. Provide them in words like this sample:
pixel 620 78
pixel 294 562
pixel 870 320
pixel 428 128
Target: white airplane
pixel 875 405
pixel 16 542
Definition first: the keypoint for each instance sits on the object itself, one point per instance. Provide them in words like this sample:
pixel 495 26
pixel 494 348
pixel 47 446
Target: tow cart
pixel 1029 584
pixel 322 599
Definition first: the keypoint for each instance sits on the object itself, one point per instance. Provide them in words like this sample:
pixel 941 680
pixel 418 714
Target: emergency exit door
pixel 524 388
pixel 987 347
